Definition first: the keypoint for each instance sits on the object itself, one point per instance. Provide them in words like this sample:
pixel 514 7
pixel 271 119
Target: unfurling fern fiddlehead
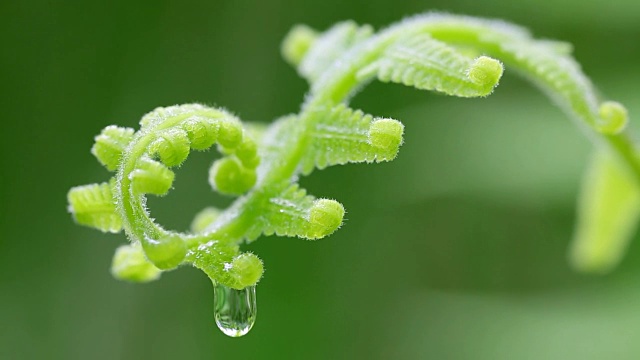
pixel 450 54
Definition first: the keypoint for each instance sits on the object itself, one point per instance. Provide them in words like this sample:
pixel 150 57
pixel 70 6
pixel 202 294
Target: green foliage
pixel 151 177
pixel 130 264
pixel 607 215
pixel 94 206
pixel 449 54
pixel 228 176
pixel 428 64
pixel 110 144
pixel 613 117
pixel 341 135
pixel 165 253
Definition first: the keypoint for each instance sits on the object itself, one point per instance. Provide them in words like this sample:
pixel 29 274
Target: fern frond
pixel 323 51
pixel 171 146
pixel 297 44
pixel 224 264
pixel 165 252
pixel 294 213
pixel 130 264
pixel 110 144
pixel 230 177
pixel 450 54
pixel 613 118
pixel 342 135
pixel 428 64
pixel 202 132
pixel 168 135
pixel 151 177
pixel 93 205
pixel 608 214
pixel 545 63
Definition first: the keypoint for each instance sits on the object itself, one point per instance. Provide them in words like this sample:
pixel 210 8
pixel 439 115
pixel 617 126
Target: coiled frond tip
pixel 485 72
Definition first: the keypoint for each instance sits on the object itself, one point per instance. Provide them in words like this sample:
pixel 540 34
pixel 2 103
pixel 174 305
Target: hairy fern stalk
pixel 455 55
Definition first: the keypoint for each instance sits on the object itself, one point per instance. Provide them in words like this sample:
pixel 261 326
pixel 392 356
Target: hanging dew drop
pixel 234 310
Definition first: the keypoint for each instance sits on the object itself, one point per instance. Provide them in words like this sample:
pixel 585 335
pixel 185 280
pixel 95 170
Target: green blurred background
pixel 456 250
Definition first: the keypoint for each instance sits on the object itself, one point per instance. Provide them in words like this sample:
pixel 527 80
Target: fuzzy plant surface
pixel 454 55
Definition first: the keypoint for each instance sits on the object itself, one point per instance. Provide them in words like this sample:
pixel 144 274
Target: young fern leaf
pixel 294 213
pixel 314 55
pixel 608 214
pixel 110 144
pixel 550 67
pixel 454 55
pixel 613 118
pixel 223 264
pixel 428 64
pixel 343 135
pixel 94 206
pixel 547 65
pixel 130 264
pixel 172 147
pixel 229 176
pixel 151 177
pixel 142 160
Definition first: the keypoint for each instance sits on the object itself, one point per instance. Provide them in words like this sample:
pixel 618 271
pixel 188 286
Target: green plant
pixel 445 53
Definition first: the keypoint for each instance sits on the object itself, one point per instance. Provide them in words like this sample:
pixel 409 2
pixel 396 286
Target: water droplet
pixel 234 310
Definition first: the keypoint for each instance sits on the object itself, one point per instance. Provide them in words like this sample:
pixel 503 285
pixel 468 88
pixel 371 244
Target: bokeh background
pixel 456 250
